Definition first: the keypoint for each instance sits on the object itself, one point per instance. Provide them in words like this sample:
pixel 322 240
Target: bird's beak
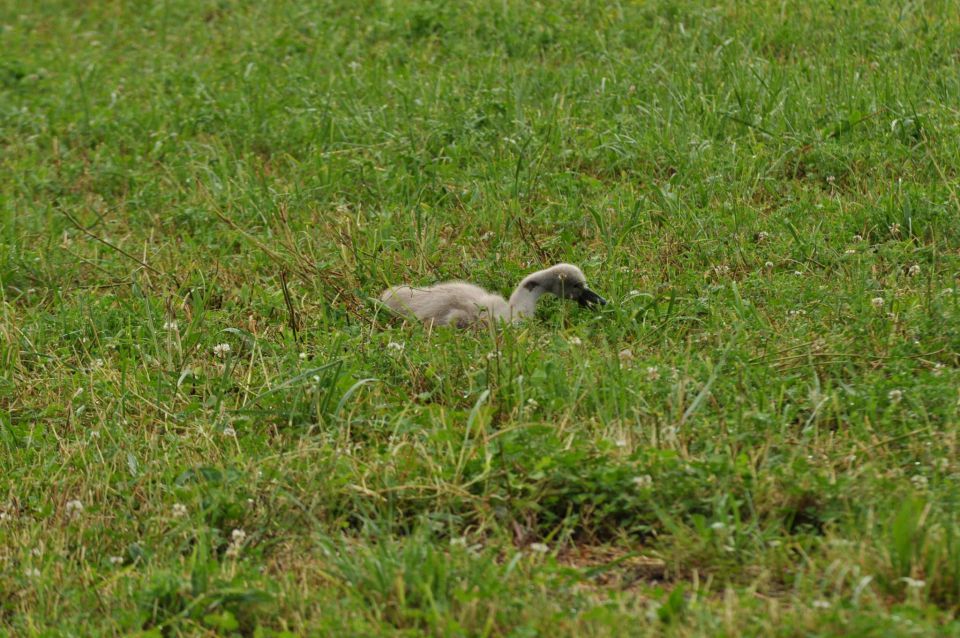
pixel 590 298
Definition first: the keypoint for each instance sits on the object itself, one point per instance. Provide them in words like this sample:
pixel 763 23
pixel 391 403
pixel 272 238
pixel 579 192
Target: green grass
pixel 758 436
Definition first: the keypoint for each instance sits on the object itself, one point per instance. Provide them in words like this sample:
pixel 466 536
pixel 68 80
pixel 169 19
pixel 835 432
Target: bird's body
pixel 451 303
pixel 462 304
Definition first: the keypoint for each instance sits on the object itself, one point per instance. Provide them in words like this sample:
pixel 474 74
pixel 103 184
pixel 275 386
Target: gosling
pixel 456 303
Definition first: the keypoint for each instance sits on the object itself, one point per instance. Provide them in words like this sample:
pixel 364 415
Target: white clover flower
pixel 539 548
pixel 938 369
pixel 221 350
pixel 877 302
pixel 94 434
pixel 895 229
pixel 821 604
pixel 717 526
pixel 393 345
pixel 850 251
pixel 620 443
pixel 625 355
pixel 170 326
pixel 36 551
pixel 797 313
pixel 914 270
pixel 831 179
pixel 237 537
pixel 858 238
pixel 74 508
pixel 721 270
pixel 644 481
pixel 653 373
pixel 491 356
pixel 229 431
pixel 31 572
pixel 798 273
pixel 459 541
pixel 895 395
pixel 116 560
pixel 919 482
pixel 763 236
pixel 768 265
pixel 303 356
pixel 179 510
pixel 575 341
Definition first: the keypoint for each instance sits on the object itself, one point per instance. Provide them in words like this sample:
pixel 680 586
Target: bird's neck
pixel 523 302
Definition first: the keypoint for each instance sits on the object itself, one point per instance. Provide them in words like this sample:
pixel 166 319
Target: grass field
pixel 757 436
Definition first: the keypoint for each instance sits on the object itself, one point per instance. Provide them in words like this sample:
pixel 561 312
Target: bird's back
pixel 452 302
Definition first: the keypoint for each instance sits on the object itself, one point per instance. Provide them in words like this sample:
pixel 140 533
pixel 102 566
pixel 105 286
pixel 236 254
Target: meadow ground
pixel 758 436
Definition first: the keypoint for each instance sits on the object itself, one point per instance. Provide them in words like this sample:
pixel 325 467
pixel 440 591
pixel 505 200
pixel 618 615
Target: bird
pixel 461 304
